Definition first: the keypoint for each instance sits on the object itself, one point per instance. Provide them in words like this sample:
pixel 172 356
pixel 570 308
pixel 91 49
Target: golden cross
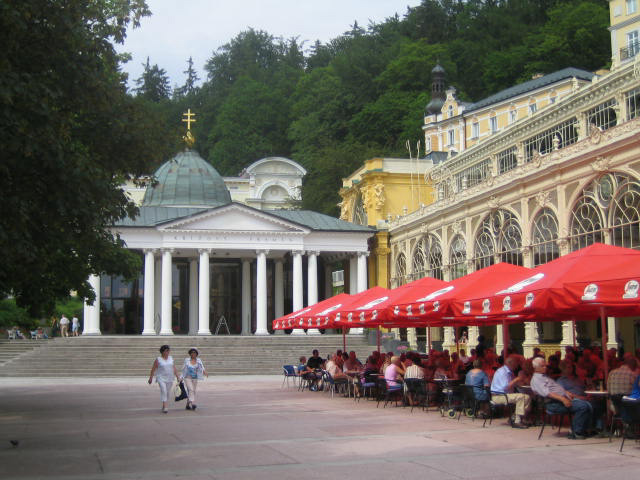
pixel 189 120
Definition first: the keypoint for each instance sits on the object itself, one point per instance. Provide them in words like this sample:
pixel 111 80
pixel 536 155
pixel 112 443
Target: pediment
pixel 234 218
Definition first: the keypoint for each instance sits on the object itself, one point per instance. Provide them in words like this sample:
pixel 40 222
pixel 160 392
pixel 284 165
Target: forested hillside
pixel 330 106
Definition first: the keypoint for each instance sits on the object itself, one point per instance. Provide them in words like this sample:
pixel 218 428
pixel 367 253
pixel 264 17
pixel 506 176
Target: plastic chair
pixel 288 371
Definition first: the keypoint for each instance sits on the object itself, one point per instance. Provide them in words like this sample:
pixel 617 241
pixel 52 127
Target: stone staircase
pixel 123 356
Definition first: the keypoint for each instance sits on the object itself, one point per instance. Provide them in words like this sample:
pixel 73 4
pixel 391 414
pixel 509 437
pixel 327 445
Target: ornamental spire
pixel 189 139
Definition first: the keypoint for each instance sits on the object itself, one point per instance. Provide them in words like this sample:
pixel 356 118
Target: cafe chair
pixel 552 417
pixel 417 388
pixel 332 384
pixel 364 386
pixel 288 372
pixel 388 393
pixel 470 403
pixel 499 409
pixel 630 419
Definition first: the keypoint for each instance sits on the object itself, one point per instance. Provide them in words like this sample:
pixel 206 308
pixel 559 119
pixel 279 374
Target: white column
pixel 203 293
pixel 353 275
pixel 362 271
pixel 261 294
pixel 612 333
pixel 531 338
pixel 92 312
pixel 362 283
pixel 297 286
pixel 157 295
pixel 499 340
pixel 149 290
pixel 193 296
pixel 165 313
pixel 472 338
pixel 312 285
pixel 279 291
pixel 449 342
pixel 246 296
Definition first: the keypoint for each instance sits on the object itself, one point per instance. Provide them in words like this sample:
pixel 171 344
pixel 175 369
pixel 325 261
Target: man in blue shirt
pixel 502 391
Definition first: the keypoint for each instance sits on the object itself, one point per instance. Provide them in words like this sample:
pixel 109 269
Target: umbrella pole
pixel 605 358
pixel 378 341
pixel 344 340
pixel 428 339
pixel 455 331
pixel 574 332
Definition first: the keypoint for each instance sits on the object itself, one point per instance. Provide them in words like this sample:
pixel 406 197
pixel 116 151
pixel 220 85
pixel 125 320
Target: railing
pixel 630 50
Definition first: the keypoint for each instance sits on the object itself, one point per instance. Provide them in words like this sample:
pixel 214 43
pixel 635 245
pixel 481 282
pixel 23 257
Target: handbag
pixel 180 392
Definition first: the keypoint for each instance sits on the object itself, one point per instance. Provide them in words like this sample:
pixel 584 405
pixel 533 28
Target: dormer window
pixel 450 112
pixel 475 129
pixel 452 137
pixel 533 107
pixel 493 124
pixel 513 115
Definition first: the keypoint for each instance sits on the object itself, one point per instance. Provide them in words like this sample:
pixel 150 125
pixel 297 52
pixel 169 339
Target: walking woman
pixel 192 371
pixel 164 370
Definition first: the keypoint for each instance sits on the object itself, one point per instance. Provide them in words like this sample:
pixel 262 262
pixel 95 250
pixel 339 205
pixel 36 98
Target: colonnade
pixel 158 291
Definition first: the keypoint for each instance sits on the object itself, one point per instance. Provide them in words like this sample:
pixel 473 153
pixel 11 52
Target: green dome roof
pixel 187 180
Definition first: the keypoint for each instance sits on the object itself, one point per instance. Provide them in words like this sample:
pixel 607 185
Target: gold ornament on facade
pixel 345 208
pixel 378 196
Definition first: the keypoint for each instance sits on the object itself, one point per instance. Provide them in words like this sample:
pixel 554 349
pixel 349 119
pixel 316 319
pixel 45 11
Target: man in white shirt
pixel 75 326
pixel 502 391
pixel 64 326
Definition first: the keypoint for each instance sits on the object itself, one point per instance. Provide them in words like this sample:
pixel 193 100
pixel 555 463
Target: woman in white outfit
pixel 192 371
pixel 165 371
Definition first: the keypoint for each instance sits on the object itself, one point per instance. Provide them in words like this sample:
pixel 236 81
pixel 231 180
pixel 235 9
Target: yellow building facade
pixel 380 190
pixel 625 31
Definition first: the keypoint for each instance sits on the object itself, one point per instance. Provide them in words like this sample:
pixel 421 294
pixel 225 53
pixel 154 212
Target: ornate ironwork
pixel 544 241
pixel 458 258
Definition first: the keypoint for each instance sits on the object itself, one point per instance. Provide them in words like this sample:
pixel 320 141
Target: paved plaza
pixel 250 428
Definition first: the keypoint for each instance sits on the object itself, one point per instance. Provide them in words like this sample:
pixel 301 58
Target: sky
pixel 179 29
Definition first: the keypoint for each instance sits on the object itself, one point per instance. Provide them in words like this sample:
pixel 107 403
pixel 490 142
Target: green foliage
pixel 153 84
pixel 12 315
pixel 70 306
pixel 71 135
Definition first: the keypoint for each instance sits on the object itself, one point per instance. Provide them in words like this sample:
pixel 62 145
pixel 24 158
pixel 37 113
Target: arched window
pixel 625 214
pixel 400 277
pixel 544 241
pixel 500 234
pixel 427 258
pixel 458 257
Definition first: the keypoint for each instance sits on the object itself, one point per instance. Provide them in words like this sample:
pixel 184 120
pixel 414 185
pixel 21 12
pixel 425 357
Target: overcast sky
pixel 179 29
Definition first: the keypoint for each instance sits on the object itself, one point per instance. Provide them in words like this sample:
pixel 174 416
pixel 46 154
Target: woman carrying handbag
pixel 192 371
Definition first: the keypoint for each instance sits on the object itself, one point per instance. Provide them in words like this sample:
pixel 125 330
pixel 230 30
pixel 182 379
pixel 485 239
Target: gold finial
pixel 189 138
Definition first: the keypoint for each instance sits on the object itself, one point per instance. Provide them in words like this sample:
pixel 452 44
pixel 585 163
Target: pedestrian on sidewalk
pixel 75 326
pixel 64 326
pixel 192 371
pixel 164 370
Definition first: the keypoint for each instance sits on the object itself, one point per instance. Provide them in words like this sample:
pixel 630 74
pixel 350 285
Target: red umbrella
pixel 305 317
pixel 373 311
pixel 437 306
pixel 346 316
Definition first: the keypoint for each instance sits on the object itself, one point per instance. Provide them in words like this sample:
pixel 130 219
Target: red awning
pixel 305 317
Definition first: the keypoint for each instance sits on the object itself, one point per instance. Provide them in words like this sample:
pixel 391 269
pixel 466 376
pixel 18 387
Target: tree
pixel 153 84
pixel 70 136
pixel 189 86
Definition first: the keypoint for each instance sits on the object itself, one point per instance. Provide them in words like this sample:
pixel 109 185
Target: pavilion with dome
pixel 207 257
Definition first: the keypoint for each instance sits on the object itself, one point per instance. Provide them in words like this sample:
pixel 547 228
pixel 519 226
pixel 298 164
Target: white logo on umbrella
pixel 362 316
pixel 409 312
pixel 521 284
pixel 506 304
pixel 396 310
pixel 528 300
pixel 467 307
pixel 372 303
pixel 590 292
pixel 631 289
pixel 329 310
pixel 350 317
pixel 486 305
pixel 421 307
pixel 436 294
pixel 301 312
pixel 436 306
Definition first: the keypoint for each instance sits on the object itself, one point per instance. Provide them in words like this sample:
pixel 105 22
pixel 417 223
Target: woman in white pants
pixel 192 371
pixel 164 370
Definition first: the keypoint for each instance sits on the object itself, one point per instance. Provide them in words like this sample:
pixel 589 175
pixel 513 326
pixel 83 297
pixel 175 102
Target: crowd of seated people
pixel 563 381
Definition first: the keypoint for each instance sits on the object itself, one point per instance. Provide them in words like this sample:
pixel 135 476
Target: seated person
pixel 311 372
pixel 503 391
pixel 479 380
pixel 394 372
pixel 334 369
pixel 352 364
pixel 620 380
pixel 560 400
pixel 302 365
pixel 571 383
